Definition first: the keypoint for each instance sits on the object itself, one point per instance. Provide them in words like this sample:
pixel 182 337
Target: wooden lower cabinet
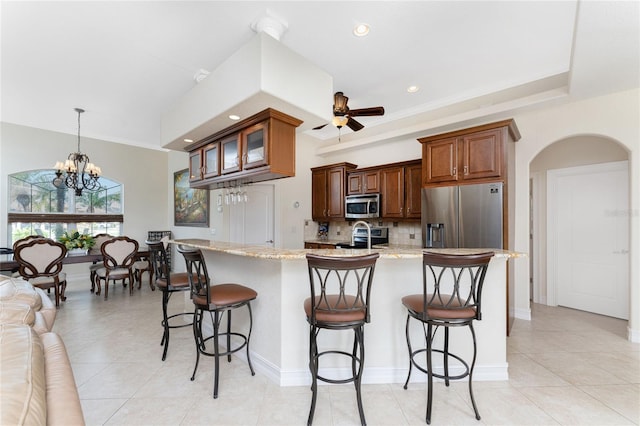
pixel 322 246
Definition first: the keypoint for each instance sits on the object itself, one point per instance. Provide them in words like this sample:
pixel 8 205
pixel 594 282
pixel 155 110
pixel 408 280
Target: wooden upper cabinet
pixel 328 187
pixel 413 191
pixel 401 191
pixel 254 146
pixel 259 148
pixel 441 159
pixel 392 180
pixel 477 153
pixel 363 182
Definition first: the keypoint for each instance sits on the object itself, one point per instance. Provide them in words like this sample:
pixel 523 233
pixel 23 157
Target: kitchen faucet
pixel 353 233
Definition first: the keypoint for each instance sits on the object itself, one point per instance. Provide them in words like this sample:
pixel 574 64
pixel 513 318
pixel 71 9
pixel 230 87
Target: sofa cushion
pixel 63 401
pixel 23 398
pixel 19 290
pixel 16 313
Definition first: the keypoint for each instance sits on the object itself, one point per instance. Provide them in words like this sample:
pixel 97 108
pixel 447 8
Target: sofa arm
pixel 63 401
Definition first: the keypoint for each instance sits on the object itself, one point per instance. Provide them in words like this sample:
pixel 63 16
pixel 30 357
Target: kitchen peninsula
pixel 280 337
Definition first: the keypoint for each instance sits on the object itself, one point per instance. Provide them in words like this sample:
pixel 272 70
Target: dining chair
pixel 119 254
pixel 40 261
pixel 99 239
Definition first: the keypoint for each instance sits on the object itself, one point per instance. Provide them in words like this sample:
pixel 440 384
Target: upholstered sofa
pixel 37 386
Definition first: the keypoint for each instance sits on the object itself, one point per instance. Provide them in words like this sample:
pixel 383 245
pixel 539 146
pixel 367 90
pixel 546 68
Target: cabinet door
pixel 354 183
pixel 335 192
pixel 230 154
pixel 392 180
pixel 254 146
pixel 211 157
pixel 413 191
pixel 370 182
pixel 195 166
pixel 319 195
pixel 482 155
pixel 441 160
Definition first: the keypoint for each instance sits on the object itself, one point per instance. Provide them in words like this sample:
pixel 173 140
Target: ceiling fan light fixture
pixel 361 30
pixel 339 121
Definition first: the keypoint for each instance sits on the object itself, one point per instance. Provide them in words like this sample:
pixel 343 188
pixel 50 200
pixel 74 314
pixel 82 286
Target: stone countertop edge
pixel 391 252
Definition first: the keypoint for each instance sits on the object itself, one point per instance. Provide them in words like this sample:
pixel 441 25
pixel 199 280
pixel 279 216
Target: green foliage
pixel 74 239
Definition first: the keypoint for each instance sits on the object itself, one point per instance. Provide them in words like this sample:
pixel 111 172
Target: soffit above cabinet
pixel 262 74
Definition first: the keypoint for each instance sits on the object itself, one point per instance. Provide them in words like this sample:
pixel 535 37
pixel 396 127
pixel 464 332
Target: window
pixel 36 206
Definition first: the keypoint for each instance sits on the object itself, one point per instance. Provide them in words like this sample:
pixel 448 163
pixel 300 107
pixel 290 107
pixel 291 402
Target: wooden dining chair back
pixel 40 261
pixel 119 254
pixel 99 240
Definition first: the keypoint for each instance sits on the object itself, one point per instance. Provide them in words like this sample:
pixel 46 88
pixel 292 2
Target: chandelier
pixel 81 173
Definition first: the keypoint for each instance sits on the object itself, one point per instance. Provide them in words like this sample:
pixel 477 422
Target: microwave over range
pixel 362 206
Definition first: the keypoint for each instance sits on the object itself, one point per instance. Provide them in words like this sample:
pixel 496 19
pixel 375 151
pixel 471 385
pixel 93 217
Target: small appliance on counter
pixel 323 230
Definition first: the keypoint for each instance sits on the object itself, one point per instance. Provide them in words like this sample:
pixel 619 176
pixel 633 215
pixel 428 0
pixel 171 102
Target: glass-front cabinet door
pixel 211 155
pixel 254 145
pixel 195 166
pixel 230 153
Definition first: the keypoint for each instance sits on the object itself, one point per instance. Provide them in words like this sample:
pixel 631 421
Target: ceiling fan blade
pixel 319 127
pixel 362 112
pixel 354 125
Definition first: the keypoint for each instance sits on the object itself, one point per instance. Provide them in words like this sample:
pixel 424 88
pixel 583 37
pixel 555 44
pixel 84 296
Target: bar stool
pixel 451 296
pixel 340 290
pixel 215 299
pixel 169 283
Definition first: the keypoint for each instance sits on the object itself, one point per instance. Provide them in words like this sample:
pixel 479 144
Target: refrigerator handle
pixel 435 235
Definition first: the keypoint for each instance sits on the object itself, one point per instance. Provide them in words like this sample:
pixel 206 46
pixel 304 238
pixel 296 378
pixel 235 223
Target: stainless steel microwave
pixel 362 206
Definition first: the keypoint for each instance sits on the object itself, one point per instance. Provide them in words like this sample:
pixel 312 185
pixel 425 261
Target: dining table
pixel 93 256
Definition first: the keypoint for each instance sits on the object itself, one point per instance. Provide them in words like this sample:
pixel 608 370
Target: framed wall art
pixel 190 206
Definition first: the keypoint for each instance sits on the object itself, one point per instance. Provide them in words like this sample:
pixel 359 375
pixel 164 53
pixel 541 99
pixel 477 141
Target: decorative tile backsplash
pixel 400 233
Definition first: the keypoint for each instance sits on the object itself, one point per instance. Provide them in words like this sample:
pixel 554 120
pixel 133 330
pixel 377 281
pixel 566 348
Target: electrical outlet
pixel 213 231
pixel 412 236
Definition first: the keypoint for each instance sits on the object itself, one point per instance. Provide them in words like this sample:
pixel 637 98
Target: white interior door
pixel 588 238
pixel 251 222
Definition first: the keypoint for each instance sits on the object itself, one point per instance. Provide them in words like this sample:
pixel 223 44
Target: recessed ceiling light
pixel 234 117
pixel 188 140
pixel 361 30
pixel 412 89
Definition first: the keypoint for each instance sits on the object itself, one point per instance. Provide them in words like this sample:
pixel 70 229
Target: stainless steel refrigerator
pixel 463 216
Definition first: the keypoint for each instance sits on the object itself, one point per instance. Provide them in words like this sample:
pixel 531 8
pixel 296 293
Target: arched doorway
pixel 573 152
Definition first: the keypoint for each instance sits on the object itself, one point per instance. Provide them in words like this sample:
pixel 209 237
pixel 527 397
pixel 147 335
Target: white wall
pixel 616 117
pixel 143 173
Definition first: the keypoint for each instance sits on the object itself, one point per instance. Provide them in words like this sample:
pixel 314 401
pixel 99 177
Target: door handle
pixel 269 241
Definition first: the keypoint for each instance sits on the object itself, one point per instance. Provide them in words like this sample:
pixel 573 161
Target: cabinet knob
pixel 466 170
pixel 454 171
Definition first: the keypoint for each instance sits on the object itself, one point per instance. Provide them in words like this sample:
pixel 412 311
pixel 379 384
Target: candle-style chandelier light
pixel 81 173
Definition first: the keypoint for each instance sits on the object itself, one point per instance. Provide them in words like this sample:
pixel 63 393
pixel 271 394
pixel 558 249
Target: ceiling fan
pixel 342 115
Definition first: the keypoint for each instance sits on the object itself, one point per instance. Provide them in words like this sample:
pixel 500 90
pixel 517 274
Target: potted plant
pixel 77 243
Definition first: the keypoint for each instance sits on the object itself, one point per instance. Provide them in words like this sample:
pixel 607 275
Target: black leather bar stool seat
pixel 340 291
pixel 452 292
pixel 216 300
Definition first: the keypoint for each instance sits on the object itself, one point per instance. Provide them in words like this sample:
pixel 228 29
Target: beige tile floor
pixel 566 367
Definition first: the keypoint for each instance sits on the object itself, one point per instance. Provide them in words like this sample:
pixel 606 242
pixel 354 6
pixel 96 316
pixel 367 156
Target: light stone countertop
pixel 390 252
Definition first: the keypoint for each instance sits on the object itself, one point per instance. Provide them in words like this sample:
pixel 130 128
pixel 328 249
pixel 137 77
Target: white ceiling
pixel 127 63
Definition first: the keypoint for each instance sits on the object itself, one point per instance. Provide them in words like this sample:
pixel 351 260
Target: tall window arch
pixel 36 206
